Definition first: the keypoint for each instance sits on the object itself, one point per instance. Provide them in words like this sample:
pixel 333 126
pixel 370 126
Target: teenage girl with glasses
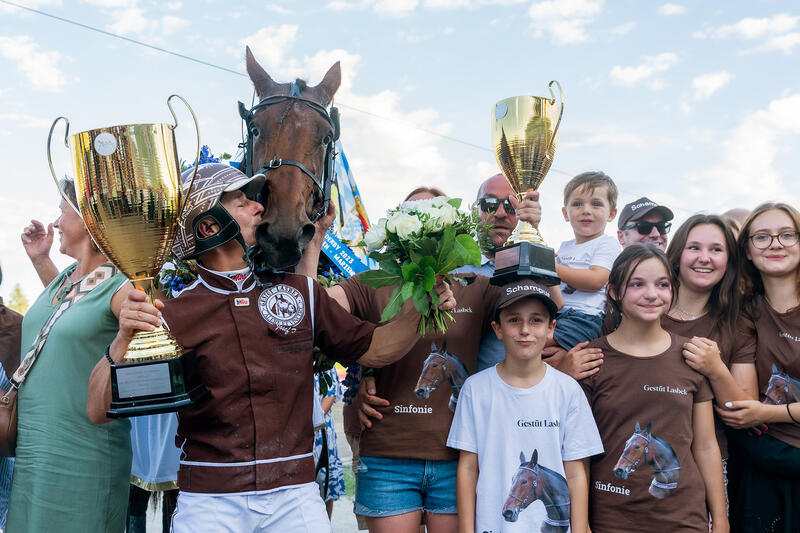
pixel 765 467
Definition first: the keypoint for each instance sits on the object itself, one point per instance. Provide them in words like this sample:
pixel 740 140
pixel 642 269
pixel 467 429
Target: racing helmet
pixel 212 181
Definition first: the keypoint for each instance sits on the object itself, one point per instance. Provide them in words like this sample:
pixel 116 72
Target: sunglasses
pixel 489 205
pixel 645 228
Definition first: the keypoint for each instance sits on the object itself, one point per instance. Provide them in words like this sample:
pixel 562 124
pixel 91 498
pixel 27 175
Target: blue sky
pixel 694 104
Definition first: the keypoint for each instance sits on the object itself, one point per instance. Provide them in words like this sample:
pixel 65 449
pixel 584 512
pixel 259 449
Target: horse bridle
pixel 635 464
pixel 435 382
pixel 326 181
pixel 524 503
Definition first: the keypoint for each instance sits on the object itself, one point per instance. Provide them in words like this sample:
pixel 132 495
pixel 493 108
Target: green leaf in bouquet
pixel 394 305
pixel 429 278
pixel 410 271
pixel 428 246
pixel 455 202
pixel 421 301
pixel 407 290
pixel 468 250
pixel 427 261
pixel 446 244
pixel 379 278
pixel 380 256
pixel 390 266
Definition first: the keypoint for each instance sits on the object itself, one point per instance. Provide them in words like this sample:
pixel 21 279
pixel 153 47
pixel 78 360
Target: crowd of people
pixel 656 389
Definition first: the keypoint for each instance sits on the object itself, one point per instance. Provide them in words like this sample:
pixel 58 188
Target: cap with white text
pixel 636 210
pixel 524 288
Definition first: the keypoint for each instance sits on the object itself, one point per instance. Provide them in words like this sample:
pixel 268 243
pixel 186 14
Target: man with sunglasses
pixel 644 221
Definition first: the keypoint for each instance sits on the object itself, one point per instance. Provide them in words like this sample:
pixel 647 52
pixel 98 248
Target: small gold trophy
pixel 128 187
pixel 524 135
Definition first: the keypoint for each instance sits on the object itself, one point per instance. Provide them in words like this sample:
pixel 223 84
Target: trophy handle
pixel 561 111
pixel 50 160
pixel 197 130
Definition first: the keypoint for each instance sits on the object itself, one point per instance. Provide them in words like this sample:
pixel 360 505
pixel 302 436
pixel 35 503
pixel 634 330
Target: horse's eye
pixel 254 131
pixel 327 140
pixel 524 481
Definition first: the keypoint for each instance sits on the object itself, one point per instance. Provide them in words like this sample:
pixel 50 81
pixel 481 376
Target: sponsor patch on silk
pixel 282 306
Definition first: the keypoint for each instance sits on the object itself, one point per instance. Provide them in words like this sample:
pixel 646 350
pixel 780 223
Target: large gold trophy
pixel 524 135
pixel 129 192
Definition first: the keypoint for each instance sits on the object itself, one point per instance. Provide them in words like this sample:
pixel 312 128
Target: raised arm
pixel 37 242
pixel 135 314
pixel 738 383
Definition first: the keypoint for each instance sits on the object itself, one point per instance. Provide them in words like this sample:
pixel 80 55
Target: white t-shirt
pixel 601 251
pixel 507 426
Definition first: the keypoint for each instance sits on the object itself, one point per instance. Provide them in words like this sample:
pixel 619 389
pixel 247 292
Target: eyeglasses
pixel 490 204
pixel 763 241
pixel 645 228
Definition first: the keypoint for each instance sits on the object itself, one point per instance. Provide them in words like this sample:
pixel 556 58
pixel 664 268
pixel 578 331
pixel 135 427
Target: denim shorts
pixel 389 486
pixel 574 327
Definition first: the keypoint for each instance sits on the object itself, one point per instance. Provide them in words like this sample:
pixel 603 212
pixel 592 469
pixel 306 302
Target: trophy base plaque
pixel 153 387
pixel 525 260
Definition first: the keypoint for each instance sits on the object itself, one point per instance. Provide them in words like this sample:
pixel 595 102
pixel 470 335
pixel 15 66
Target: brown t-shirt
pixel 742 351
pixel 778 354
pixel 10 338
pixel 413 427
pixel 656 396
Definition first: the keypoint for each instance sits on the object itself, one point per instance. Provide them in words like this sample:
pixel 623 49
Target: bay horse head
pixel 525 487
pixel 438 367
pixel 782 388
pixel 635 452
pixel 290 139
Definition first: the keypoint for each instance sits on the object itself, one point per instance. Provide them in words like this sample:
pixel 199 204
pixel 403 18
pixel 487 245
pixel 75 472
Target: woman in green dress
pixel 70 475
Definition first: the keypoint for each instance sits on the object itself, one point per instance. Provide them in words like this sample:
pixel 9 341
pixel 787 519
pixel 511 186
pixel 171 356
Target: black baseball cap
pixel 523 288
pixel 639 208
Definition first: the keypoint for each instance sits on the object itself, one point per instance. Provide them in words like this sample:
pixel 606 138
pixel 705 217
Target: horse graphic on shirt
pixel 439 366
pixel 532 482
pixel 282 307
pixel 644 448
pixel 782 388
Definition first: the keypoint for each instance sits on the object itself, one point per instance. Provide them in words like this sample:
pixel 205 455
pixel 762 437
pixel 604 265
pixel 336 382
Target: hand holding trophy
pixel 525 135
pixel 130 196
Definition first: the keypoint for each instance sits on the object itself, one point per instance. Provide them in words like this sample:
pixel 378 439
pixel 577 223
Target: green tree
pixel 17 300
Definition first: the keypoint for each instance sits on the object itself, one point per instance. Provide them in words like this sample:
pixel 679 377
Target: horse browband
pixel 324 184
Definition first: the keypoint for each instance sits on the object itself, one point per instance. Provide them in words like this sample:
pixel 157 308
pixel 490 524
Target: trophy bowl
pixel 525 137
pixel 128 187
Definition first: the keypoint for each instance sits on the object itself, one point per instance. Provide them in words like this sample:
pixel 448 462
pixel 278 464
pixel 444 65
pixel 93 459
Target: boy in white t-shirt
pixel 525 430
pixel 584 263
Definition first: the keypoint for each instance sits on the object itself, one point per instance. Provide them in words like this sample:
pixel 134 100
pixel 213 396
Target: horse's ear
pixel 330 84
pixel 637 428
pixel 433 347
pixel 444 345
pixel 535 457
pixel 649 425
pixel 261 80
pixel 774 369
pixel 522 458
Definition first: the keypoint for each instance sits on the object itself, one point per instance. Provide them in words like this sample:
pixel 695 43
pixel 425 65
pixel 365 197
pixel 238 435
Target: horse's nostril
pixel 305 234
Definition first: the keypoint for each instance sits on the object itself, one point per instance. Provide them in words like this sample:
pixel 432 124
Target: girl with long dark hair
pixel 662 468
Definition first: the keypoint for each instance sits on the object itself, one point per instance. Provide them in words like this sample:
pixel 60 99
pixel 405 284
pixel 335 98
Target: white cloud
pixel 446 4
pixel 174 6
pixel 781 43
pixel 41 68
pixel 269 44
pixel 395 8
pixel 610 136
pixel 749 157
pixel 752 28
pixel 25 121
pixel 632 76
pixel 707 84
pixel 5 8
pixel 672 9
pixel 344 5
pixel 111 3
pixel 622 29
pixel 131 19
pixel 565 20
pixel 275 8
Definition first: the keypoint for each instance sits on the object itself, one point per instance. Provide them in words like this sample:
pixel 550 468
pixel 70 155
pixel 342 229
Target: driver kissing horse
pixel 441 365
pixel 290 139
pixel 532 482
pixel 645 448
pixel 782 388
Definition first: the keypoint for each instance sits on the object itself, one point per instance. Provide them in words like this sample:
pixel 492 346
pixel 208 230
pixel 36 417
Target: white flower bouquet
pixel 418 241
